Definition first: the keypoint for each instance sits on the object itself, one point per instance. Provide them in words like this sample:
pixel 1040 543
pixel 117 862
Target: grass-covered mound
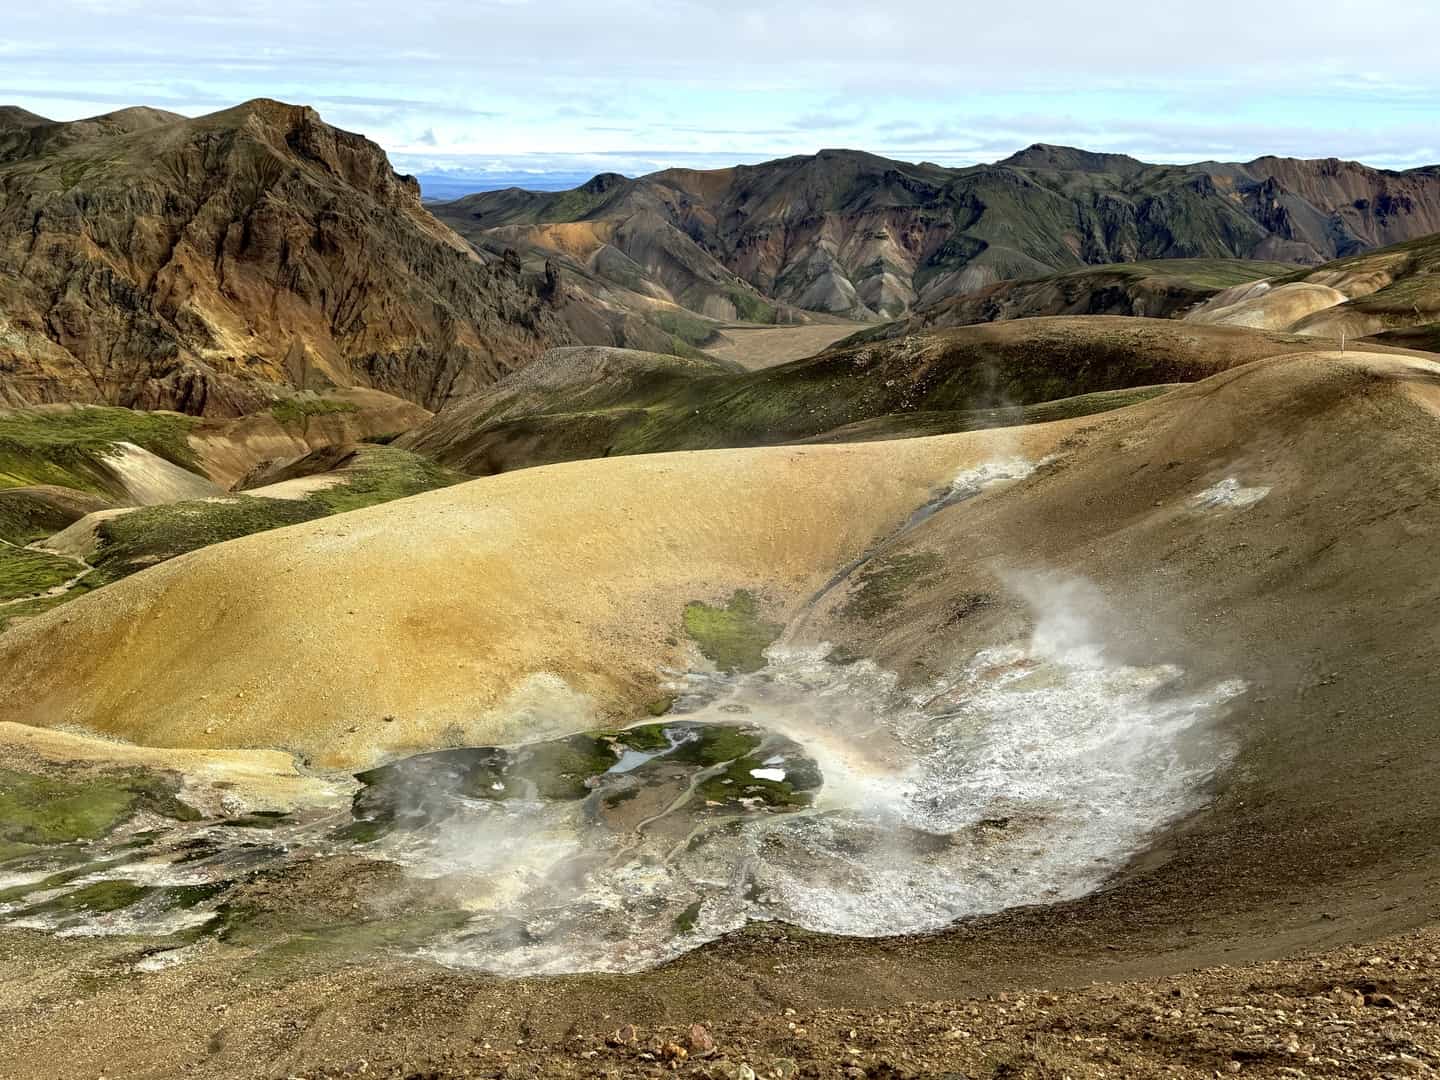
pixel 63 447
pixel 26 573
pixel 130 542
pixel 28 514
pixel 40 810
pixel 733 636
pixel 153 534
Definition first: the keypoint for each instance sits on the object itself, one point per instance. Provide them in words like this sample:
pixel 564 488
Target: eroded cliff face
pixel 154 261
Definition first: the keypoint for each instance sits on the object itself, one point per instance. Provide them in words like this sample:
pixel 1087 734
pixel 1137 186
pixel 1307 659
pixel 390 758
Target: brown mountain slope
pixel 864 236
pixel 159 262
pixel 1390 295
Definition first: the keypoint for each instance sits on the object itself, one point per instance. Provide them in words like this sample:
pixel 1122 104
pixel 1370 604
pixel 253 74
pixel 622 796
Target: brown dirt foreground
pixel 1355 1012
pixel 1358 1011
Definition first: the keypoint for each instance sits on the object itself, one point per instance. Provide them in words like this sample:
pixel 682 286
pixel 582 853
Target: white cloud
pixel 642 81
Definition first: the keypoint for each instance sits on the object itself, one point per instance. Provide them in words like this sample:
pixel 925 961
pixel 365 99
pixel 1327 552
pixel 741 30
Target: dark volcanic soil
pixel 1008 995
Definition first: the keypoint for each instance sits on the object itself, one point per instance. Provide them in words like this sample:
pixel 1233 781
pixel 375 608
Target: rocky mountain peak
pixel 1049 157
pixel 216 258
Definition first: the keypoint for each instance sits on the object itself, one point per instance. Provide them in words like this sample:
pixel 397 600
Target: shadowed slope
pixel 1159 289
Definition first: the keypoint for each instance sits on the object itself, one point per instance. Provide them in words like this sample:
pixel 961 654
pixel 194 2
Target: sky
pixel 513 88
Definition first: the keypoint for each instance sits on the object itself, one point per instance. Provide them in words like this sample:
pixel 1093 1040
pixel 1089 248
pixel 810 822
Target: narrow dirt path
pixel 57 590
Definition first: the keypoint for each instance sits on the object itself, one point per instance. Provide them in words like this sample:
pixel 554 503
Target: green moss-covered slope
pixel 63 446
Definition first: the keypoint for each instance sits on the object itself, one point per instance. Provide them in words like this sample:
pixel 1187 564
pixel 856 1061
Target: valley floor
pixel 756 347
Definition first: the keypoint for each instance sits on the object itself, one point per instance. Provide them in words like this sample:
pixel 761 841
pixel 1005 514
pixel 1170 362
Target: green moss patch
pixel 51 810
pixel 416 792
pixel 689 918
pixel 737 783
pixel 382 474
pixel 734 637
pixel 26 573
pixel 752 308
pixel 102 897
pixel 297 410
pixel 63 446
pixel 401 795
pixel 687 329
pixel 646 737
pixel 717 745
pixel 661 705
pixel 24 609
pixel 94 899
pixel 879 587
pixel 11 850
pixel 560 769
pixel 78 868
pixel 28 514
pixel 153 534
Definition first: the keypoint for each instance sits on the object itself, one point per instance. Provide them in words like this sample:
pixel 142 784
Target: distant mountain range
pixel 447 187
pixel 156 261
pixel 853 234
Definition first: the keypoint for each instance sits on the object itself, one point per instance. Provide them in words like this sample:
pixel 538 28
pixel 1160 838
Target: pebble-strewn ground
pixel 1358 1012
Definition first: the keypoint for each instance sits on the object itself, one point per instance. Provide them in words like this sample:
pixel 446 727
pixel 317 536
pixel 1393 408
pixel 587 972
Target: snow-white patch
pixel 969 482
pixel 776 775
pixel 1228 494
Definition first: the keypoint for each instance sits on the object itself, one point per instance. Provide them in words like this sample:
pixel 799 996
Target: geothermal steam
pixel 1027 776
